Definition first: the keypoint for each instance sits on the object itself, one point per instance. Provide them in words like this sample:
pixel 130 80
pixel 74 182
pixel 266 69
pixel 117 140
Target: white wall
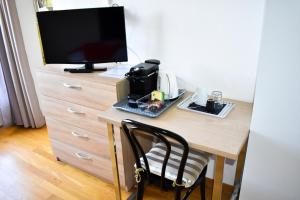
pixel 207 43
pixel 74 4
pixel 273 158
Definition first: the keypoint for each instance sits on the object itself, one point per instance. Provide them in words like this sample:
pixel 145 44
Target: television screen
pixel 95 35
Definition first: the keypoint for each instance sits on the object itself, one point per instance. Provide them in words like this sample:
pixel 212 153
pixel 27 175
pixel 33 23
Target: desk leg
pixel 114 160
pixel 218 179
pixel 240 169
pixel 241 162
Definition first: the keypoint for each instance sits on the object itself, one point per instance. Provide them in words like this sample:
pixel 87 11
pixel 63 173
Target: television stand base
pixel 102 69
pixel 88 68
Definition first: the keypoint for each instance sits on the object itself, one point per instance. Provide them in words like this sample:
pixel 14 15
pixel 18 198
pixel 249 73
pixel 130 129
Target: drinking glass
pixel 217 97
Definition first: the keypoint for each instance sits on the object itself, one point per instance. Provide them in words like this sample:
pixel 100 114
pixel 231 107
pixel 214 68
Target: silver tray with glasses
pixel 225 110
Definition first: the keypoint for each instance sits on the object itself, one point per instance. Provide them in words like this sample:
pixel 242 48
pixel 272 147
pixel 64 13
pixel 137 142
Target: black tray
pixel 194 106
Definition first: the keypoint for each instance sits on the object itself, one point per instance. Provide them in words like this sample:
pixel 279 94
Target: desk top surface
pixel 223 137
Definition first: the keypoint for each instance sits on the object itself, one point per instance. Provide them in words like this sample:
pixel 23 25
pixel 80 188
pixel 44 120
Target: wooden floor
pixel 29 171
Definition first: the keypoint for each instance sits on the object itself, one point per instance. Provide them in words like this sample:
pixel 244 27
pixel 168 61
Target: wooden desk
pixel 224 138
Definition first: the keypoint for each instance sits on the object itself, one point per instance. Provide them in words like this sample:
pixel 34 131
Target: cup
pixel 217 97
pixel 201 96
pixel 210 106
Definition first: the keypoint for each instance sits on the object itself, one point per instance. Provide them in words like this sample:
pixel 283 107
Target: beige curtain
pixel 5 111
pixel 19 82
pixel 1 119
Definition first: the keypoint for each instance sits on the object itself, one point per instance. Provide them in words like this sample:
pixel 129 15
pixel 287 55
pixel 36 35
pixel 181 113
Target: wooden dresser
pixel 71 104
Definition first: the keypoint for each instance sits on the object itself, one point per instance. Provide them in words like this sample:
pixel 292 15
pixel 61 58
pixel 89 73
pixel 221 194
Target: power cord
pixel 128 47
pixel 132 51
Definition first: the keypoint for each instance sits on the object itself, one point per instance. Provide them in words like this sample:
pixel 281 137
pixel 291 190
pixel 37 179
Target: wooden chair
pixel 170 163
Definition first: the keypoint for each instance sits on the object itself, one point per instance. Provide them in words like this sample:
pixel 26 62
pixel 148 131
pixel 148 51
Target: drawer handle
pixel 71 110
pixel 83 136
pixel 78 87
pixel 83 156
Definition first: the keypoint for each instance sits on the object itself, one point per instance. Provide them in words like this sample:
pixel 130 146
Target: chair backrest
pixel 131 128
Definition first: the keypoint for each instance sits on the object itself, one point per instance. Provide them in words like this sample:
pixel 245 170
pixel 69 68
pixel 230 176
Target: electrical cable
pixel 132 51
pixel 128 47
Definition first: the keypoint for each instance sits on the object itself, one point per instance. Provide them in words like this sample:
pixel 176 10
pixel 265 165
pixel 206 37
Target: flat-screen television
pixel 83 36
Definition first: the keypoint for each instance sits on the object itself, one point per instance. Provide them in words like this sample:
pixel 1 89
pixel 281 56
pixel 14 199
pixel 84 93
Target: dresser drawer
pixel 75 114
pixel 91 94
pixel 82 139
pixel 95 165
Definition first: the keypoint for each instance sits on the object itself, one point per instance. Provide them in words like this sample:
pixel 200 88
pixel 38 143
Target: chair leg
pixel 202 189
pixel 132 195
pixel 201 183
pixel 140 191
pixel 187 194
pixel 177 193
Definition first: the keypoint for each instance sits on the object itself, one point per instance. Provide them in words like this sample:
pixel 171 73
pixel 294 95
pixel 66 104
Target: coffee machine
pixel 143 79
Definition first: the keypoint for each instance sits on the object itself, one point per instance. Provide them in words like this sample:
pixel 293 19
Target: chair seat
pixel 196 162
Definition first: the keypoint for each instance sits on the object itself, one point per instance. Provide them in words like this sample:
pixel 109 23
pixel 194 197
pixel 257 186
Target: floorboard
pixel 29 171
